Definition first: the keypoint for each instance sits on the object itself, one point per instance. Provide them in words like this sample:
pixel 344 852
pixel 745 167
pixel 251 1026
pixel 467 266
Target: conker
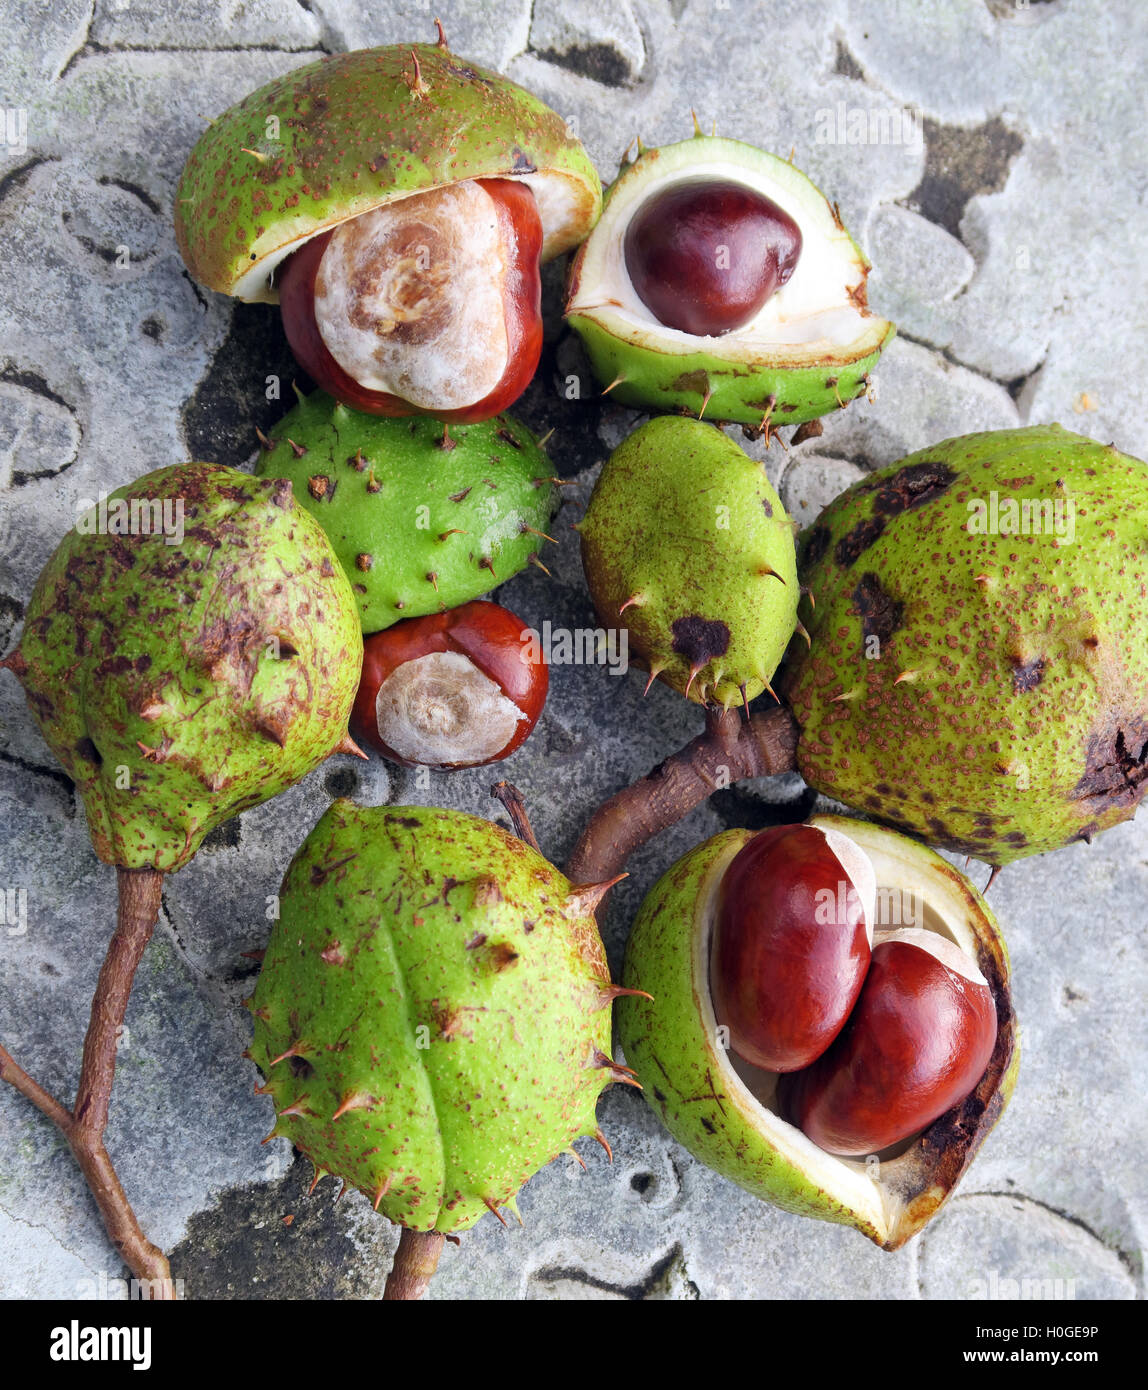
pixel 453 689
pixel 791 943
pixel 705 255
pixel 429 304
pixel 916 1044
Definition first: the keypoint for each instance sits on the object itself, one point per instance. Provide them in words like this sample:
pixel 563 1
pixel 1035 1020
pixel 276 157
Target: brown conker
pixel 916 1044
pixel 454 689
pixel 705 255
pixel 791 943
pixel 438 295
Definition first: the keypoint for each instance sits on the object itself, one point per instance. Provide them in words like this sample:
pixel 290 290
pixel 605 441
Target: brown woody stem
pixel 730 749
pixel 512 799
pixel 83 1127
pixel 416 1260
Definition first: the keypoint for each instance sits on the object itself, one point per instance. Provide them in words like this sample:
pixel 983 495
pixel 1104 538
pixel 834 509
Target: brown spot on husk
pixel 700 639
pixel 816 544
pixel 913 486
pixel 87 750
pixel 467 74
pixel 501 955
pixel 1027 675
pixel 320 873
pixel 697 382
pixel 487 891
pixel 880 612
pixel 1116 765
pixel 229 649
pixel 855 542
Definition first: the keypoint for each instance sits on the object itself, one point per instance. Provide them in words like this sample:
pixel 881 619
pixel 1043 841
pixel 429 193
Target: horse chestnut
pixel 453 689
pixel 429 304
pixel 791 943
pixel 887 1072
pixel 706 254
pixel 916 1044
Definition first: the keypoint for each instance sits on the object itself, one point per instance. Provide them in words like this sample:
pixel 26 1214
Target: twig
pixel 512 799
pixel 416 1260
pixel 729 750
pixel 83 1127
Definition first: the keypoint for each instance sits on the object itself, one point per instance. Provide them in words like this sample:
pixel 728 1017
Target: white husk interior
pixel 859 871
pixel 940 948
pixel 945 915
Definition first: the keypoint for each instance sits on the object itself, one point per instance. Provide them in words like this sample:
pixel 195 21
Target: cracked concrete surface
pixel 1008 242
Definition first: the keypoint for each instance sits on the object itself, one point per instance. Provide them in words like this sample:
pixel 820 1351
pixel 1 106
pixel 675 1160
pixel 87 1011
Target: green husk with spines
pixel 432 1015
pixel 182 678
pixel 422 516
pixel 978 674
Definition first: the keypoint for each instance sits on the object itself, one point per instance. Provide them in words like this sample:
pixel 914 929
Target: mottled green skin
pixel 644 368
pixel 423 963
pixel 1022 724
pixel 681 518
pixel 354 130
pixel 671 1043
pixel 388 491
pixel 181 684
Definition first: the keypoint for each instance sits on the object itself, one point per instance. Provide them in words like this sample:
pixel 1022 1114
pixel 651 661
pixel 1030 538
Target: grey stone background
pixel 1009 244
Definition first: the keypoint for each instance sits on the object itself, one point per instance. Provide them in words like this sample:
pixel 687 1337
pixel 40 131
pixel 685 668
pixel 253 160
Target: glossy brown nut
pixel 791 944
pixel 454 689
pixel 520 232
pixel 916 1045
pixel 705 256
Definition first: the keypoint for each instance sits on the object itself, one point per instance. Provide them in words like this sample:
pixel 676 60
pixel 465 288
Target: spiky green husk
pixel 703 385
pixel 180 684
pixel 432 977
pixel 689 1078
pixel 687 545
pixel 1007 711
pixel 335 138
pixel 421 519
pixel 727 379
